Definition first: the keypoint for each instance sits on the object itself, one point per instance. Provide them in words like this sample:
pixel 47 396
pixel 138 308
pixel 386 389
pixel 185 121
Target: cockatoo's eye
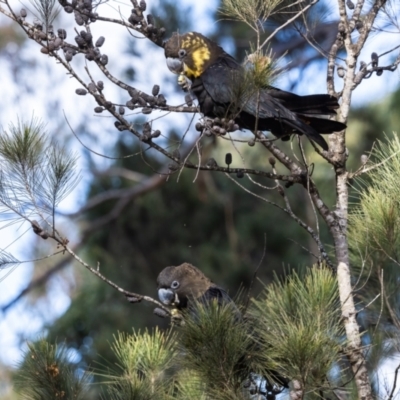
pixel 175 285
pixel 182 53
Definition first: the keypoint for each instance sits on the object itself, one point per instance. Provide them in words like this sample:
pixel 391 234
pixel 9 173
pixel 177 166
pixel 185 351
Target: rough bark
pixel 339 228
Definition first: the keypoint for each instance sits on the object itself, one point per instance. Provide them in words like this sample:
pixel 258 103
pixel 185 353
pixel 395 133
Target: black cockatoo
pixel 178 284
pixel 185 286
pixel 219 83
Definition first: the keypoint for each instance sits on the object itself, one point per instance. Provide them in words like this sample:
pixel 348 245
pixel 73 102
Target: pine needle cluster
pixel 299 326
pixel 255 13
pixel 249 85
pixel 46 373
pixel 145 360
pixel 48 11
pixel 218 347
pixel 249 11
pixel 36 174
pixel 375 221
pixel 292 332
pixel 261 69
pixel 374 230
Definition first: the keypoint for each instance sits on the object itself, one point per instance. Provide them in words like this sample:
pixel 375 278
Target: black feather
pixel 222 91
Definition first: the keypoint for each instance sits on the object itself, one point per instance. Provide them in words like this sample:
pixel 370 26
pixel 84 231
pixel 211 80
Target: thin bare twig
pixel 396 371
pixel 96 272
pixel 255 274
pixel 288 22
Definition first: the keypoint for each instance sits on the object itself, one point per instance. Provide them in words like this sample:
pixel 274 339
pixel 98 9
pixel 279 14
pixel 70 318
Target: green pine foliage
pixel 46 373
pixel 218 347
pixel 249 11
pixel 374 237
pixel 375 229
pixel 145 361
pixel 36 173
pixel 298 323
pixel 291 332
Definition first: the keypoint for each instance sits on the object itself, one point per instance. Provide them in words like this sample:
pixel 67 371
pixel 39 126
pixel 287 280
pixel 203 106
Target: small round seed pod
pixel 100 85
pixel 142 5
pixel 272 161
pixel 104 59
pixel 92 87
pixel 374 60
pixel 160 312
pixel 121 110
pixel 100 41
pixel 240 174
pixel 23 13
pixel 155 90
pixel 69 55
pixel 133 92
pixel 81 92
pixel 62 34
pixel 98 110
pixel 222 131
pixel 156 134
pixel 80 41
pixel 161 100
pixel 228 158
pixel 150 19
pixel 88 37
pixel 89 56
pixel 147 110
pixel 142 102
pixel 79 19
pixel 130 104
pixel 134 19
pixel 57 43
pixel 151 100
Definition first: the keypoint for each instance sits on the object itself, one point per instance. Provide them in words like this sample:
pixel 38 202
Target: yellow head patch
pixel 198 53
pixel 195 51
